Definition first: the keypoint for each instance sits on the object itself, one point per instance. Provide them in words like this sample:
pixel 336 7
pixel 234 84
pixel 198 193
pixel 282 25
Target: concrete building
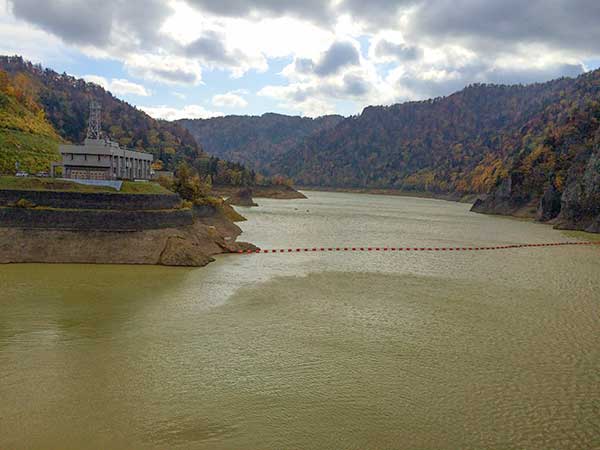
pixel 101 159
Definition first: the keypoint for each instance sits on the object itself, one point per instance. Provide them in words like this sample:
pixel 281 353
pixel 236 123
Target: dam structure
pixel 101 159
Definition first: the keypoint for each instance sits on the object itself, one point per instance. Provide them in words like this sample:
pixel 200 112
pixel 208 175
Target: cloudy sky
pixel 202 58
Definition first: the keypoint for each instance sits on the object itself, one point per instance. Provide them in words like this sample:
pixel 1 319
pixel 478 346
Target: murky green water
pixel 313 351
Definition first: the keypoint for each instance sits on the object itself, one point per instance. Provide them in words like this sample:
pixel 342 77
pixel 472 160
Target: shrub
pixel 24 203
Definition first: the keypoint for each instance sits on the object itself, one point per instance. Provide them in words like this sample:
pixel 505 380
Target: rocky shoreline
pixel 577 207
pixel 279 192
pixel 113 229
pixel 243 197
pixel 191 245
pixel 470 198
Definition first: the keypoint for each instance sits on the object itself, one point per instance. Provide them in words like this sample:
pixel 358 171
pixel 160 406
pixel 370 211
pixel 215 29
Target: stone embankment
pixel 66 227
pixel 84 200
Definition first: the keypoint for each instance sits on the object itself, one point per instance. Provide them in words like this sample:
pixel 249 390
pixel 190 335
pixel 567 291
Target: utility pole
pixel 94 131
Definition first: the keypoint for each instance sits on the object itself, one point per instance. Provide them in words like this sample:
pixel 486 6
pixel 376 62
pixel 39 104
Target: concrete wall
pixel 77 200
pixel 93 219
pixel 204 211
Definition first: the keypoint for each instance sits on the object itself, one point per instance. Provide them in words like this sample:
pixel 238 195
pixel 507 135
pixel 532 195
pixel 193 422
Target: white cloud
pixel 123 86
pixel 97 79
pixel 229 100
pixel 21 38
pixel 415 48
pixel 251 35
pixel 341 73
pixel 118 86
pixel 302 98
pixel 187 112
pixel 168 69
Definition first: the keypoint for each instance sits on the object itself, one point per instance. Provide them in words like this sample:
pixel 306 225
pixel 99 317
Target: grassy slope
pixel 26 137
pixel 43 184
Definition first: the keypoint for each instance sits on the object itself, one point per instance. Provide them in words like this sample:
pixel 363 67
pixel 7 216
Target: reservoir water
pixel 496 349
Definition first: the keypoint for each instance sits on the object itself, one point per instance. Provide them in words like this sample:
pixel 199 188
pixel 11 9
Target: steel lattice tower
pixel 94 130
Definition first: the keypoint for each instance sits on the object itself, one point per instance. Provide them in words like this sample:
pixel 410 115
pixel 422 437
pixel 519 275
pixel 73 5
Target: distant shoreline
pixel 279 192
pixel 520 214
pixel 394 192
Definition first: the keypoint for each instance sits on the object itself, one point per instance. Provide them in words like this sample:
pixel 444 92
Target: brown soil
pixel 192 245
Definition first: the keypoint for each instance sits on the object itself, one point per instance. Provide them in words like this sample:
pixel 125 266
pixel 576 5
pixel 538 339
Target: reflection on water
pixel 473 350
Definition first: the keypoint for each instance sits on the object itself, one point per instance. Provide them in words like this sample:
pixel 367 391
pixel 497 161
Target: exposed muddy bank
pixel 54 227
pixel 190 245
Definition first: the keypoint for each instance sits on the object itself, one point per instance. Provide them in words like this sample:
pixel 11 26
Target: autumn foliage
pixel 64 101
pixel 465 143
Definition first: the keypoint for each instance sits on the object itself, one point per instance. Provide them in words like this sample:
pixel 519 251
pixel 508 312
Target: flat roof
pixel 101 147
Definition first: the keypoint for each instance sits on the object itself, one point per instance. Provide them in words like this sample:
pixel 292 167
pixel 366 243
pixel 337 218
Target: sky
pixel 204 58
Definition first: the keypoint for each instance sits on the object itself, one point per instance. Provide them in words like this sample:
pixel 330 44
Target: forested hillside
pixel 450 144
pixel 255 140
pixel 554 164
pixel 65 101
pixel 26 136
pixel 517 143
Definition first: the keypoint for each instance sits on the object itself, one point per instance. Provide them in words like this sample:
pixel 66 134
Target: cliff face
pixel 580 202
pixel 507 199
pixel 575 207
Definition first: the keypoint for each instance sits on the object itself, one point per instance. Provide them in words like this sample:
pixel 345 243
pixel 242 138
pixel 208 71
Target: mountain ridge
pixel 254 140
pixel 525 147
pixel 468 143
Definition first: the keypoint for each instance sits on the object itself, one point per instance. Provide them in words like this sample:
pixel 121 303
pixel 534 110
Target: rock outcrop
pixel 580 201
pixel 507 199
pixel 242 197
pixel 577 207
pixel 276 191
pixel 279 192
pixel 549 205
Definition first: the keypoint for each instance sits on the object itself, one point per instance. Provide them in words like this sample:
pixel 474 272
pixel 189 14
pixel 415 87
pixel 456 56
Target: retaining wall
pixel 204 211
pixel 97 220
pixel 80 200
